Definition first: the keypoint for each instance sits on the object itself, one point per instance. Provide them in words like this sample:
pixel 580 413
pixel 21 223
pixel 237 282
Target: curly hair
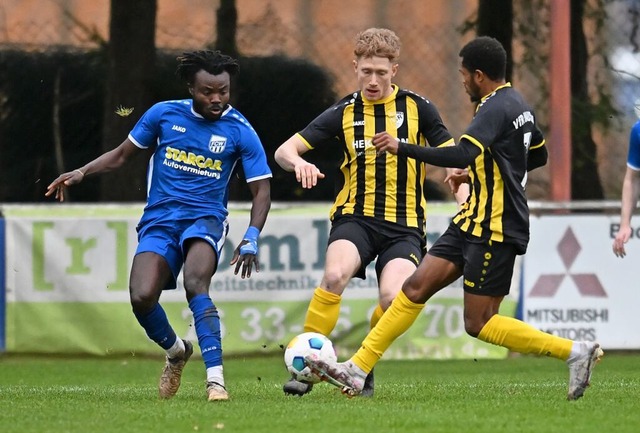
pixel 214 62
pixel 485 54
pixel 379 43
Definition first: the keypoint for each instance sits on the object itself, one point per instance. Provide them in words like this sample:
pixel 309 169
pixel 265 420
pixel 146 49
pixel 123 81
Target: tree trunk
pixel 585 182
pixel 130 76
pixel 495 19
pixel 227 23
pixel 226 29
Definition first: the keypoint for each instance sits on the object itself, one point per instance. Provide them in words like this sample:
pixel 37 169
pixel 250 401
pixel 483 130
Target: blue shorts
pixel 167 240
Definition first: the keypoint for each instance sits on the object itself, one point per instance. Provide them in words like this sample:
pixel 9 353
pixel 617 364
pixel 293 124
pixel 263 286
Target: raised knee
pixel 385 301
pixel 195 286
pixel 412 290
pixel 473 327
pixel 472 330
pixel 335 281
pixel 142 302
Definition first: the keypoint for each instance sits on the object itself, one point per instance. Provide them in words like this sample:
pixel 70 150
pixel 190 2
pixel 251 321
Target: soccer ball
pixel 303 345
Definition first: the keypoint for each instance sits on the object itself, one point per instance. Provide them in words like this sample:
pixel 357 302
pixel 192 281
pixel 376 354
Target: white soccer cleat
pixel 344 375
pixel 580 370
pixel 216 392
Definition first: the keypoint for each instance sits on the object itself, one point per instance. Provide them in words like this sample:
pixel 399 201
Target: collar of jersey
pixel 507 84
pixel 202 117
pixel 391 97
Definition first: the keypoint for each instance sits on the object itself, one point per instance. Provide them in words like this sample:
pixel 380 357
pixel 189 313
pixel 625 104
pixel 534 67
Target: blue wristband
pixel 251 247
pixel 251 234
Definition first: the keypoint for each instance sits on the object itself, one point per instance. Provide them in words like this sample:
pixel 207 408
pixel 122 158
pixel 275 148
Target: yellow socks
pixel 518 336
pixel 513 334
pixel 396 320
pixel 323 312
pixel 375 316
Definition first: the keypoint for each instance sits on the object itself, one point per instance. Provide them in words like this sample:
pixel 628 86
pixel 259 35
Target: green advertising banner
pixel 67 271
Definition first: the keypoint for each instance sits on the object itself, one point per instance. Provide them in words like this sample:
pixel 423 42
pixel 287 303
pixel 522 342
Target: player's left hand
pixel 385 142
pixel 622 237
pixel 456 177
pixel 245 256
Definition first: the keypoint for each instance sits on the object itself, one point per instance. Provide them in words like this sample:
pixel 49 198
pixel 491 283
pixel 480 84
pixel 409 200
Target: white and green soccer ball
pixel 303 345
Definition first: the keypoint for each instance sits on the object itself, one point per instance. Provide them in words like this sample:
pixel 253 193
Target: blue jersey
pixel 633 158
pixel 193 160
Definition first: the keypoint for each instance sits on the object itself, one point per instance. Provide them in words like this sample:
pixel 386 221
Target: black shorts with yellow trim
pixel 378 238
pixel 487 266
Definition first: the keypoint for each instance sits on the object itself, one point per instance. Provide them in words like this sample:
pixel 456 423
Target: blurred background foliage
pixel 65 70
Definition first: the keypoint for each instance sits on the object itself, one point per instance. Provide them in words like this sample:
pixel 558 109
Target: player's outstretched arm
pixel 108 161
pixel 458 156
pixel 288 156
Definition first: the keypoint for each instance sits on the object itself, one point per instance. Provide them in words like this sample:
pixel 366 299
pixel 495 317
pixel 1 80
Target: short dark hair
pixel 214 62
pixel 487 55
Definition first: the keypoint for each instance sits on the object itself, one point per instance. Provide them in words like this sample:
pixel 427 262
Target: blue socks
pixel 207 323
pixel 157 326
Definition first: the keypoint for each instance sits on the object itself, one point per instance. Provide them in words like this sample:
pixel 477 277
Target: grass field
pixel 519 394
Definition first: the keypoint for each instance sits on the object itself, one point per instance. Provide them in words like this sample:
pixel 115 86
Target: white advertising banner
pixel 67 274
pixel 87 259
pixel 575 287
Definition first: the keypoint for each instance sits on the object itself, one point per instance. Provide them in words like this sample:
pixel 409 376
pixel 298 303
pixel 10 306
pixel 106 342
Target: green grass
pixel 520 394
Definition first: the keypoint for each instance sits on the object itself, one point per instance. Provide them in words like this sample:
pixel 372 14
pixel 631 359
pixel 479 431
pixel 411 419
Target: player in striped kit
pixel 379 209
pixel 501 144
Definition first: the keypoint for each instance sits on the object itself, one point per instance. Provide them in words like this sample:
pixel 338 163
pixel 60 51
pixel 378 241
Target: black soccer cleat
pixel 295 387
pixel 367 391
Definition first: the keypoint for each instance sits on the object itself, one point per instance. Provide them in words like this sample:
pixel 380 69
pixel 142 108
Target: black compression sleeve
pixel 460 156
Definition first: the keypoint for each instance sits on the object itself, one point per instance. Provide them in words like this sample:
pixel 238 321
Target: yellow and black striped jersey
pixel 381 186
pixel 505 130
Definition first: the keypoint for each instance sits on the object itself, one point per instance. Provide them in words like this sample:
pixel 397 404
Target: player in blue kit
pixel 499 147
pixel 630 189
pixel 197 143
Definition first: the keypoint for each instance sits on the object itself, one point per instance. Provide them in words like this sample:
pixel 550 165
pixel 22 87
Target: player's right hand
pixel 308 174
pixel 62 182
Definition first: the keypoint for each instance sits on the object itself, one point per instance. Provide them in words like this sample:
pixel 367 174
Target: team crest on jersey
pixel 399 119
pixel 217 144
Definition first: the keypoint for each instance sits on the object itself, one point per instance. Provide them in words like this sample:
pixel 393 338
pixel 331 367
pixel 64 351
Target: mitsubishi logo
pixel 548 284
